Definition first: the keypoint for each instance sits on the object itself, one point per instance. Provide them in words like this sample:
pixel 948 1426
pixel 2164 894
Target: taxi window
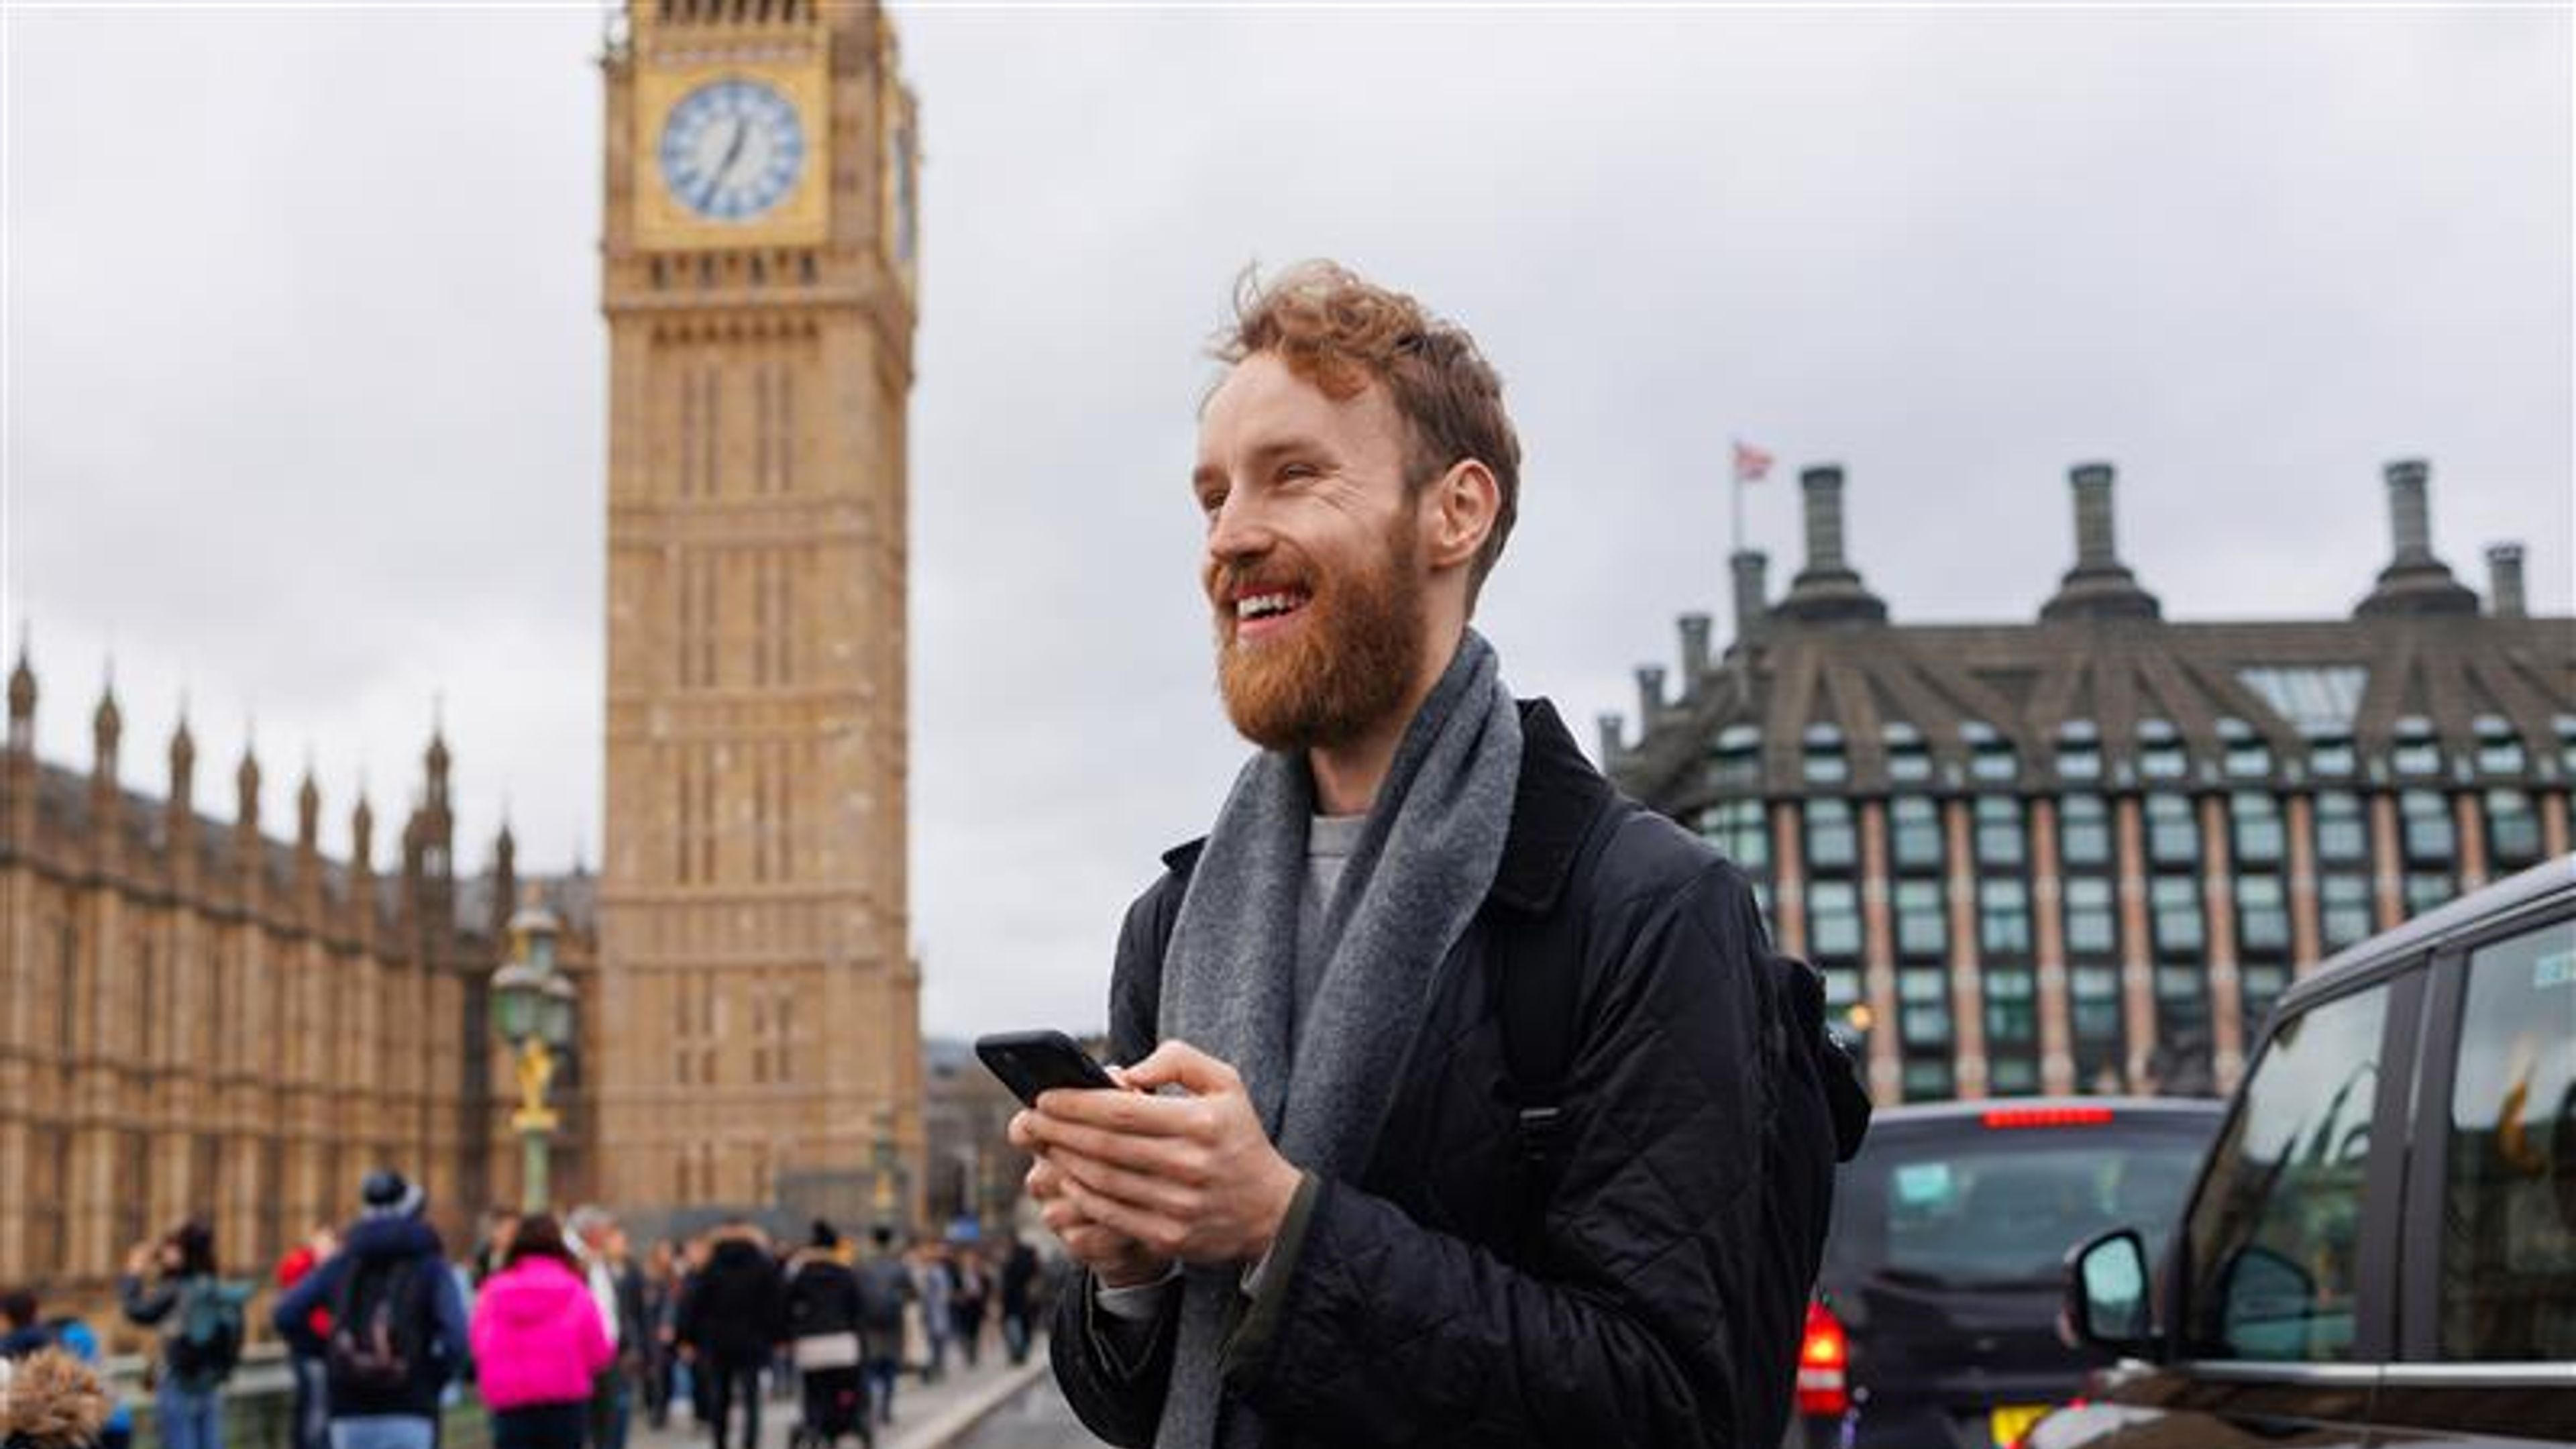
pixel 2275 1235
pixel 2509 1209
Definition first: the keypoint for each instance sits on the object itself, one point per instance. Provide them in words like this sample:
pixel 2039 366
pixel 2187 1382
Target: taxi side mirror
pixel 2106 1296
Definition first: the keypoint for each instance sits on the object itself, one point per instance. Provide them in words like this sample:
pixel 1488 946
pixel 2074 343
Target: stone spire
pixel 362 835
pixel 308 810
pixel 246 790
pixel 183 763
pixel 106 731
pixel 22 701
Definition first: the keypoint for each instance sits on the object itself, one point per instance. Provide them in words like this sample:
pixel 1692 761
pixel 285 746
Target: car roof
pixel 1974 1112
pixel 2542 884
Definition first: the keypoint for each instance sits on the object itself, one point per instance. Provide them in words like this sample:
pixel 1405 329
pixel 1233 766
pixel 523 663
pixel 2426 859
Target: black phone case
pixel 1030 1062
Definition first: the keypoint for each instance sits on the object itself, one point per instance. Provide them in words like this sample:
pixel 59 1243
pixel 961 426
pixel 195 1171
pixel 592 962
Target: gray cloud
pixel 306 375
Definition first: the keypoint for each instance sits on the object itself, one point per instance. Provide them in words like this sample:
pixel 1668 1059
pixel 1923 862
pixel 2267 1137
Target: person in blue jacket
pixel 382 1395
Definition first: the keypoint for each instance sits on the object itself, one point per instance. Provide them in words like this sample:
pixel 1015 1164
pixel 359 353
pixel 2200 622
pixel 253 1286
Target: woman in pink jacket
pixel 538 1341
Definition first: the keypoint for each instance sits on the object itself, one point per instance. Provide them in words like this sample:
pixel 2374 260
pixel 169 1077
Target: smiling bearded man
pixel 1357 641
pixel 1467 1103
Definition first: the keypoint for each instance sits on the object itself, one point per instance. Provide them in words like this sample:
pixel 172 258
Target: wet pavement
pixel 952 1412
pixel 1034 1418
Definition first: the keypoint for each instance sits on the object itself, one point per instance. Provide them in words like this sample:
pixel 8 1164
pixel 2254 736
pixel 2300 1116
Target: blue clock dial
pixel 732 149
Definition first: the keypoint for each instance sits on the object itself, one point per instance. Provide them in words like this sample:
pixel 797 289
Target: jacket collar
pixel 1552 808
pixel 1552 811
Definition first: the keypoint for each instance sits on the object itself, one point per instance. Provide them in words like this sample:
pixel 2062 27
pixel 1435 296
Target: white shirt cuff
pixel 1252 1276
pixel 1137 1302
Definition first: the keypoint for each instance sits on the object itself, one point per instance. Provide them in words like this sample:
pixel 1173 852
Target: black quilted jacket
pixel 1654 1292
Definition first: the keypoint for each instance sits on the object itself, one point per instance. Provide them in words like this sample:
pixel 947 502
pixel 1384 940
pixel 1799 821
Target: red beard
pixel 1346 662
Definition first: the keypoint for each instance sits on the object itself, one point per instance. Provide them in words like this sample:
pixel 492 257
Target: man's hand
pixel 1116 1259
pixel 1191 1177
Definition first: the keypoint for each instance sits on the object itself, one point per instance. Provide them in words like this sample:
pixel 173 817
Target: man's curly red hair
pixel 1341 332
pixel 53 1401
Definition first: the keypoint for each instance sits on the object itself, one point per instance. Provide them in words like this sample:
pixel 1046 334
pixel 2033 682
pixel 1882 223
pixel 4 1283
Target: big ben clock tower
pixel 759 1024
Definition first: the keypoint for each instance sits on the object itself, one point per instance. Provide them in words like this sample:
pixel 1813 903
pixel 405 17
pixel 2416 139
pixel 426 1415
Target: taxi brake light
pixel 1824 1364
pixel 2011 1117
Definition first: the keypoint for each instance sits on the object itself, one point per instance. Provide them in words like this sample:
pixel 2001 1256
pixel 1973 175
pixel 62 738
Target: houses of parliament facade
pixel 202 1019
pixel 204 1014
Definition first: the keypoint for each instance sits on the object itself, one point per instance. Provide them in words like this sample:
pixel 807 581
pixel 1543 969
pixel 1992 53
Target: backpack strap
pixel 1540 985
pixel 1540 989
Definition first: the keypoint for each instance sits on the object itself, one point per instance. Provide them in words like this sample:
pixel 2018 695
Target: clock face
pixel 732 149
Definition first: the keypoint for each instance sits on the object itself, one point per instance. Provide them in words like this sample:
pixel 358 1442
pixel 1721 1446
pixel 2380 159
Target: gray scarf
pixel 1424 862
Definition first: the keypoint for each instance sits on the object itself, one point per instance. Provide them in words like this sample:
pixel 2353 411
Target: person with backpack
pixel 539 1340
pixel 397 1319
pixel 732 1319
pixel 172 1285
pixel 1347 1192
pixel 824 1313
pixel 885 1290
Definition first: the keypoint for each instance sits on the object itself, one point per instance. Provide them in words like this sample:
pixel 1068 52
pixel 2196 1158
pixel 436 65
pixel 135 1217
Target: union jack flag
pixel 1751 463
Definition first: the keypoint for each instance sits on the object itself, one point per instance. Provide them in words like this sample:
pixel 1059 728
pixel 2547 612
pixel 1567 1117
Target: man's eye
pixel 1210 502
pixel 1297 470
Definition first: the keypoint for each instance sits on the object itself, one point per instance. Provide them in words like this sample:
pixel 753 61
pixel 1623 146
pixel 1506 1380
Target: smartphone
pixel 1030 1062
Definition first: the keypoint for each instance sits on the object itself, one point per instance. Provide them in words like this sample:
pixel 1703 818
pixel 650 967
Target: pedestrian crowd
pixel 563 1331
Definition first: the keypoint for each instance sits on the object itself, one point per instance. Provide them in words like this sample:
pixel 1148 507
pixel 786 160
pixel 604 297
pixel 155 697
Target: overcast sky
pixel 305 373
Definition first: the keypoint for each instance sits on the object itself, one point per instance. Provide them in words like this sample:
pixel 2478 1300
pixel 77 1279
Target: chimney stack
pixel 2504 581
pixel 2409 521
pixel 1828 590
pixel 1823 487
pixel 2099 586
pixel 1650 697
pixel 2415 581
pixel 1609 726
pixel 1752 569
pixel 1694 651
pixel 2093 539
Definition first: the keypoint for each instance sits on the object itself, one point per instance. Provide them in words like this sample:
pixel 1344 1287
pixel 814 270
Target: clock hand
pixel 733 153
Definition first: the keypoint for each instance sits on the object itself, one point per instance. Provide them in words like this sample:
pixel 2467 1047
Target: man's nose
pixel 1239 529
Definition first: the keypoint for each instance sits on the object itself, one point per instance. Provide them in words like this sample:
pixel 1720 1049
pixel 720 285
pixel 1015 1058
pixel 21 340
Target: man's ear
pixel 1459 512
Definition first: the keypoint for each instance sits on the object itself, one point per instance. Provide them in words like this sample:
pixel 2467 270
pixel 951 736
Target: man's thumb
pixel 1181 1064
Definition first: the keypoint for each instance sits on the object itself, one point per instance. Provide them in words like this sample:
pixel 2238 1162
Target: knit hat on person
pixel 386 1194
pixel 823 1236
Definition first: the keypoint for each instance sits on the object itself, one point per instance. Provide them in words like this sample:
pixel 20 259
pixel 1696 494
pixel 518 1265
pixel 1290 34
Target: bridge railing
pixel 259 1404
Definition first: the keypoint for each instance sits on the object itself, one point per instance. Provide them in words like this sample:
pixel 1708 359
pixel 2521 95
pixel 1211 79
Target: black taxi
pixel 2381 1247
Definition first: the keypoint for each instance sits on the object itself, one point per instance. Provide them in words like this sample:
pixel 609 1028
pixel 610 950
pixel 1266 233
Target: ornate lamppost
pixel 883 1168
pixel 532 1003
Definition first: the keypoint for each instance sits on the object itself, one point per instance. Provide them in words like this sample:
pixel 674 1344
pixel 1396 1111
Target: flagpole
pixel 1735 494
pixel 1735 491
